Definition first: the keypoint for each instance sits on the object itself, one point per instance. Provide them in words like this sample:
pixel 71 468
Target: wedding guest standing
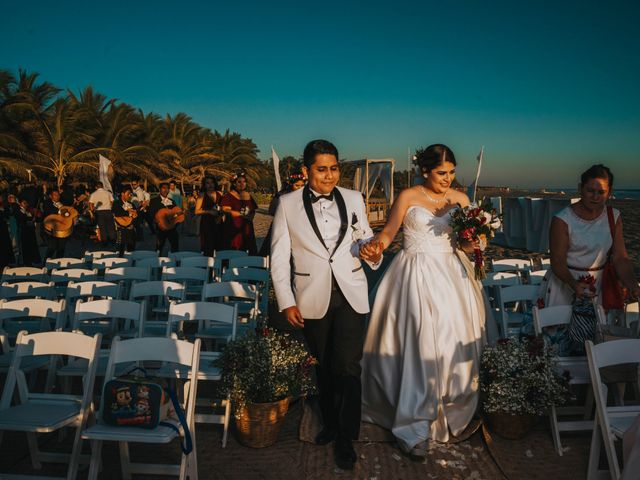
pixel 162 235
pixel 25 216
pixel 580 240
pixel 55 245
pixel 140 201
pixel 124 215
pixel 100 202
pixel 240 208
pixel 175 194
pixel 209 210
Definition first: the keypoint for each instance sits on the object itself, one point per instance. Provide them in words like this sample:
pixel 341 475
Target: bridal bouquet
pixel 476 222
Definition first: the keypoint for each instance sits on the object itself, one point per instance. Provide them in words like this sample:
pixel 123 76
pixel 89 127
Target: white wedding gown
pixel 425 334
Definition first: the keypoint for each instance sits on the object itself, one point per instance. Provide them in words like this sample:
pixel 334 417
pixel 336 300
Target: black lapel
pixel 344 222
pixel 306 200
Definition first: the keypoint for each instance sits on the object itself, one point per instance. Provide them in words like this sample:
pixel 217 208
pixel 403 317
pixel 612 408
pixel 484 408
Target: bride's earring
pixel 425 175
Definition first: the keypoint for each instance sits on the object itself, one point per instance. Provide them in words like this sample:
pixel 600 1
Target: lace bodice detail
pixel 425 232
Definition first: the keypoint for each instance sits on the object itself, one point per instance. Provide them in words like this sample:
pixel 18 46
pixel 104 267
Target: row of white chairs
pixel 35 412
pixel 517 264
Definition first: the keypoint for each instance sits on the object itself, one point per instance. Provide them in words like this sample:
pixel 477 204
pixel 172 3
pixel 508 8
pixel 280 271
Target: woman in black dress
pixel 208 209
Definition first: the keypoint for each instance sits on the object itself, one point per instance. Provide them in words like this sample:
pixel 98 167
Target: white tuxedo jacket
pixel 297 244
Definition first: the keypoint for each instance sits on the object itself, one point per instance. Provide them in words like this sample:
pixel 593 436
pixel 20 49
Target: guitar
pixel 125 222
pixel 167 218
pixel 60 225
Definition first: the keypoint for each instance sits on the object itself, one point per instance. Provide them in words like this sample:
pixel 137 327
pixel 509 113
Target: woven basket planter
pixel 258 424
pixel 511 426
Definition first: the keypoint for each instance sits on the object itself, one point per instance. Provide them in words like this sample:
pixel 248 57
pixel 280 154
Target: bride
pixel 426 330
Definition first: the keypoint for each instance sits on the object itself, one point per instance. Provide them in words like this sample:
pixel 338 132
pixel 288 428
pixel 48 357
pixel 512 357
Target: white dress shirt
pixel 327 217
pixel 101 199
pixel 166 201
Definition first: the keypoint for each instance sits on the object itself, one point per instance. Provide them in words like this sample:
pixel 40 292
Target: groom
pixel 321 287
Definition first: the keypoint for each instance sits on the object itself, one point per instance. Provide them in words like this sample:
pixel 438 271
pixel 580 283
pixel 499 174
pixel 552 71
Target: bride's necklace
pixel 434 200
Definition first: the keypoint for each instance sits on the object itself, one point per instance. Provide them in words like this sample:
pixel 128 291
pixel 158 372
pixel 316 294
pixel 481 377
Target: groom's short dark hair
pixel 318 147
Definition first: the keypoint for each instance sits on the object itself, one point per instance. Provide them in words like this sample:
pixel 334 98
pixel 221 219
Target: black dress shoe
pixel 345 456
pixel 325 436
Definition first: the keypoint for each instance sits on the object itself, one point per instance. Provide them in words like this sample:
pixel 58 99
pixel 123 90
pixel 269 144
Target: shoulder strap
pixel 187 446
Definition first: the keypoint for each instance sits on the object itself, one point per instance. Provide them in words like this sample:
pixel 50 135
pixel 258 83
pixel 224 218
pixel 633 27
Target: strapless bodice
pixel 425 232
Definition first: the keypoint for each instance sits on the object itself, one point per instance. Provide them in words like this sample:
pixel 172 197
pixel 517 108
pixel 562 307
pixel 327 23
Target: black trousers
pixel 336 340
pixel 125 240
pixel 55 246
pixel 163 235
pixel 104 219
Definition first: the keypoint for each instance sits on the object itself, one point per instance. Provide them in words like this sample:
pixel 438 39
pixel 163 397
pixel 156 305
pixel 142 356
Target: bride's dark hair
pixel 433 156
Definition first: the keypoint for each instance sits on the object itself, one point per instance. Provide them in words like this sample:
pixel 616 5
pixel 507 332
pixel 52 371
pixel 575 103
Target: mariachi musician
pixel 124 215
pixel 56 242
pixel 164 231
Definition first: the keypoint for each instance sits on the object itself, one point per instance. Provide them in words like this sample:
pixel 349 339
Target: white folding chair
pixel 33 315
pixel 536 277
pixel 545 263
pixel 207 314
pixel 47 412
pixel 63 263
pixel 73 274
pixel 157 293
pixel 249 261
pixel 24 274
pixel 149 349
pixel 632 317
pixel 243 295
pixel 520 299
pixel 577 367
pixel 198 262
pixel 221 260
pixel 255 276
pixel 193 278
pixel 91 256
pixel 611 422
pixel 140 254
pixel 177 257
pixel 511 265
pixel 111 262
pixel 125 276
pixel 14 291
pixel 91 290
pixel 155 264
pixel 28 364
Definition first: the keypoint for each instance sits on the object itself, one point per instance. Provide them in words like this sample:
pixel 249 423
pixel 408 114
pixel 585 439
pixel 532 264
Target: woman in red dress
pixel 240 208
pixel 208 209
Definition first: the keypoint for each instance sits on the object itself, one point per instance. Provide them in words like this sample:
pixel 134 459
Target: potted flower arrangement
pixel 519 383
pixel 261 372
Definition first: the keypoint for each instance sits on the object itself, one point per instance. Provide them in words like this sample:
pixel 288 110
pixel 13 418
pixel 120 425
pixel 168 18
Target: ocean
pixel 623 194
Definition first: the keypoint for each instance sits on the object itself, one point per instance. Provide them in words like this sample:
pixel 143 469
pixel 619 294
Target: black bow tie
pixel 315 198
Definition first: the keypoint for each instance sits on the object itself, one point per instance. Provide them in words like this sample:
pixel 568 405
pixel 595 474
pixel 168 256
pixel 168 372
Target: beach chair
pixel 159 350
pixel 611 422
pixel 91 290
pixel 157 293
pixel 15 291
pixel 24 274
pixel 536 277
pixel 249 261
pixel 193 278
pixel 243 296
pixel 514 304
pixel 63 263
pixel 177 257
pixel 111 262
pixel 221 260
pixel 155 264
pixel 204 313
pixel 67 275
pixel 511 265
pixel 32 315
pixel 48 412
pixel 578 369
pixel 255 276
pixel 199 262
pixel 125 276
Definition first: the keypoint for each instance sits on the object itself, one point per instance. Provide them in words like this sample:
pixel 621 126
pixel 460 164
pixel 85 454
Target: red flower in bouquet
pixel 476 223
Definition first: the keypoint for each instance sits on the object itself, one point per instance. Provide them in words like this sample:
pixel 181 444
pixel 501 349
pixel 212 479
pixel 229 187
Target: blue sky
pixel 547 87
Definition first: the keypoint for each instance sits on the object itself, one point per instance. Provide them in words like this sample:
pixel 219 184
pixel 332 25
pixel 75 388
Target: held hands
pixel 371 251
pixel 294 317
pixel 583 289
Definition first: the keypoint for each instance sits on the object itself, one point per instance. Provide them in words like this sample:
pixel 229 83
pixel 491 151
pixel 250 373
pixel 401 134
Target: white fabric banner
pixel 276 168
pixel 471 193
pixel 104 173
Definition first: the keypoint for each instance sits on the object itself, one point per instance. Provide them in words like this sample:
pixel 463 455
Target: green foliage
pixel 57 134
pixel 265 366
